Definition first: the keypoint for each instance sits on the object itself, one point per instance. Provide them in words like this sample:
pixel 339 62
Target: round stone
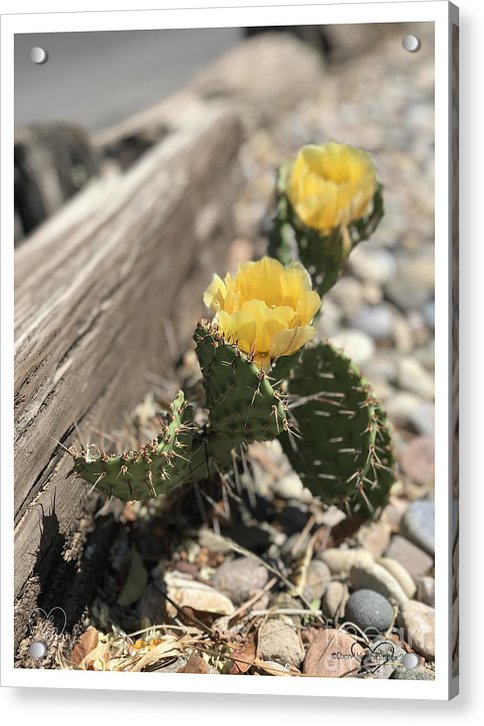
pixel 418 524
pixel 369 610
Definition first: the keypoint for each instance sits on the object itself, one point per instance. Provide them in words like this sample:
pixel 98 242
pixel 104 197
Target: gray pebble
pixel 375 321
pixel 241 579
pixel 370 611
pixel 412 674
pixel 400 409
pixel 418 525
pixel 373 264
pixel 356 345
pixel 422 418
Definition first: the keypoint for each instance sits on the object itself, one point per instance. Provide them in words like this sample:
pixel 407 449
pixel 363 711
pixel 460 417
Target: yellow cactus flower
pixel 331 185
pixel 266 308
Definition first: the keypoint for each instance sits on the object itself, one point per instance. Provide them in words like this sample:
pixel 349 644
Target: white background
pixel 43 706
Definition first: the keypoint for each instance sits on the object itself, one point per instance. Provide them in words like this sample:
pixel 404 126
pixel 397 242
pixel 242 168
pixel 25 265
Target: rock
pixel 393 512
pixel 373 264
pixel 413 377
pixel 340 562
pixel 371 576
pixel 289 486
pixel 370 611
pixel 382 369
pixel 348 295
pixel 279 642
pixel 429 313
pixel 318 576
pixel 213 542
pixel 377 321
pixel 334 600
pixel 416 561
pixel 418 621
pixel 382 658
pixel 418 525
pixel 417 460
pixel 376 538
pixel 400 574
pixel 332 654
pixel 412 674
pixel 400 409
pixel 402 334
pixel 241 579
pixel 426 590
pixel 294 546
pixel 422 418
pixel 330 321
pixel 356 345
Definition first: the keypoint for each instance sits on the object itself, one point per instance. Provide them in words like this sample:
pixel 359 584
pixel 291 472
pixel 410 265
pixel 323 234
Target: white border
pixel 435 11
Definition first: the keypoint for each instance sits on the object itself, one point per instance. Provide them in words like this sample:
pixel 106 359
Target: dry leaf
pixel 136 581
pixel 243 657
pixel 195 664
pixel 198 596
pixel 86 643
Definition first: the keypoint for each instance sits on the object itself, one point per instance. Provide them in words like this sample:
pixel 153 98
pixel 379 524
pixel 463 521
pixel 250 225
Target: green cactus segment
pixel 342 451
pixel 154 469
pixel 323 255
pixel 242 403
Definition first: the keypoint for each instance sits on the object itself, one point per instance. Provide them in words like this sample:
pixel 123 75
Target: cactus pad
pixel 243 405
pixel 154 469
pixel 342 451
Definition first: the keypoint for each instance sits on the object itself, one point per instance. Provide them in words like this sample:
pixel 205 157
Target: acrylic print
pixel 224 353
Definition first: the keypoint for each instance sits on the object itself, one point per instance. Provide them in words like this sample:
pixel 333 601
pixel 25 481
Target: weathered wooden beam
pixel 99 300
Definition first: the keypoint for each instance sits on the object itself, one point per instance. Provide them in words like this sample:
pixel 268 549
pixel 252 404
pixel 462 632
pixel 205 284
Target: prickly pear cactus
pixel 342 451
pixel 262 376
pixel 154 469
pixel 323 255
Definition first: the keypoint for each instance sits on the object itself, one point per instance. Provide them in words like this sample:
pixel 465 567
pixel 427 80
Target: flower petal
pixel 214 295
pixel 287 342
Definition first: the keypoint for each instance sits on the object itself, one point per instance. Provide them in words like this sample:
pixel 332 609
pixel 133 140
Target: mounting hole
pixel 410 660
pixel 411 43
pixel 37 649
pixel 38 55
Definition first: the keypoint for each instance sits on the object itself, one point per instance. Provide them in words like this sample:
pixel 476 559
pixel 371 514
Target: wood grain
pixel 94 289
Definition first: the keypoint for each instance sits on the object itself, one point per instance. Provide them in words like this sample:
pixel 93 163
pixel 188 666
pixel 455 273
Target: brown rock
pixel 416 561
pixel 376 539
pixel 400 574
pixel 332 654
pixel 340 562
pixel 334 599
pixel 417 460
pixel 418 620
pixel 279 642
